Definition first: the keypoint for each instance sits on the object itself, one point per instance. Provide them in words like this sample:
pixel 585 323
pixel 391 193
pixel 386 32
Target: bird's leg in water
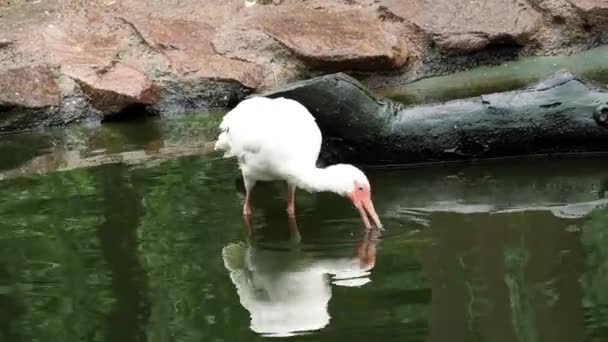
pixel 248 227
pixel 248 187
pixel 294 232
pixel 246 206
pixel 366 250
pixel 291 200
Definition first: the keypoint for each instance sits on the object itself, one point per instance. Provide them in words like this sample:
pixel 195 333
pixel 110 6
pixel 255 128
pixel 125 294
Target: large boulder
pixel 464 26
pixel 192 76
pixel 325 38
pixel 91 59
pixel 562 114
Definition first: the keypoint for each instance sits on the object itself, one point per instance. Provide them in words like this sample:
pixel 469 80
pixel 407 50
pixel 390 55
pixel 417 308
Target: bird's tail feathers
pixel 223 144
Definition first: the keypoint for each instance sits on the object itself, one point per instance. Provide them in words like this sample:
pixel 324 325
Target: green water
pixel 133 232
pixel 507 76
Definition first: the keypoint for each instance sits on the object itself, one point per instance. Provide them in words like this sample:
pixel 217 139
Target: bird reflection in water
pixel 286 287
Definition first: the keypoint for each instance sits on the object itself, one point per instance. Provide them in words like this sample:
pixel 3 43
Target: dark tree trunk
pixel 562 114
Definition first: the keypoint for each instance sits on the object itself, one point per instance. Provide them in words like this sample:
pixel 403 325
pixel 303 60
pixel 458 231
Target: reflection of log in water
pixel 567 188
pixel 286 289
pixel 118 238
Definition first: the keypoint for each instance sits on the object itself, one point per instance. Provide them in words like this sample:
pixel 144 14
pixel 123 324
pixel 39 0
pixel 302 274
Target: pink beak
pixel 366 207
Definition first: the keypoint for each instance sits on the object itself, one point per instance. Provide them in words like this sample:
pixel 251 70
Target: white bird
pixel 278 139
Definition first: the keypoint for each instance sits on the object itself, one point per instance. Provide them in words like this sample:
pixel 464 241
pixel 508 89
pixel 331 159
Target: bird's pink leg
pixel 248 227
pixel 291 200
pixel 294 232
pixel 247 206
pixel 248 187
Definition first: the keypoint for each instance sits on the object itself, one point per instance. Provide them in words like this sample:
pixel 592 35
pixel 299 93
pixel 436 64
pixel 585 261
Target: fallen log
pixel 561 114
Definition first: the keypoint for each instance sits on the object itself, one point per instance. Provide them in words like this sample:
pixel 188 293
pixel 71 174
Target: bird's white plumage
pixel 278 139
pixel 273 139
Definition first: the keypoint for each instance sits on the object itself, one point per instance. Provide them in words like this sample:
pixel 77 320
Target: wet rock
pixel 560 115
pixel 114 89
pixel 33 97
pixel 464 26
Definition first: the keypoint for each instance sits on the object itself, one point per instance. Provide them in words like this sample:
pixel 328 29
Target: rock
pixel 196 96
pixel 32 97
pixel 187 45
pixel 326 39
pixel 189 66
pixel 169 35
pixel 78 49
pixel 189 55
pixel 463 26
pixel 563 114
pixel 28 88
pixel 211 12
pixel 559 11
pixel 95 59
pixel 198 78
pixel 594 11
pixel 115 89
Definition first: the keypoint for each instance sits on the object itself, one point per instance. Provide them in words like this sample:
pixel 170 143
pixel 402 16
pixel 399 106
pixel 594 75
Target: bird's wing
pixel 282 128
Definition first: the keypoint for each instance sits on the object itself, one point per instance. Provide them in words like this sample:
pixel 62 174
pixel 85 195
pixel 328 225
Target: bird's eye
pixel 360 188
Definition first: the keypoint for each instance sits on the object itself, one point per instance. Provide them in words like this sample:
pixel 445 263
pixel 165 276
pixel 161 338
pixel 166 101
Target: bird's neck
pixel 315 180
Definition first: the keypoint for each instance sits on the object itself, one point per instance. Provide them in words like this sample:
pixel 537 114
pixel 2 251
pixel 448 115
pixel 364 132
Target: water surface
pixel 133 232
pixel 518 74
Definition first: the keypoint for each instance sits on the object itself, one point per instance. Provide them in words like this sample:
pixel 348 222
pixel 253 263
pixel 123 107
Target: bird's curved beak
pixel 365 206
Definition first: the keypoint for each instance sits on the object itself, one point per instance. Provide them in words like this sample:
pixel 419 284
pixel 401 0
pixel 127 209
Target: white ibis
pixel 278 139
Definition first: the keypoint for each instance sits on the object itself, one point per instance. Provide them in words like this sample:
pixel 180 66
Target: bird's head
pixel 350 182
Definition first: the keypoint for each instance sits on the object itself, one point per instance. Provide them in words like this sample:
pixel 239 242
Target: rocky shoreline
pixel 92 60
